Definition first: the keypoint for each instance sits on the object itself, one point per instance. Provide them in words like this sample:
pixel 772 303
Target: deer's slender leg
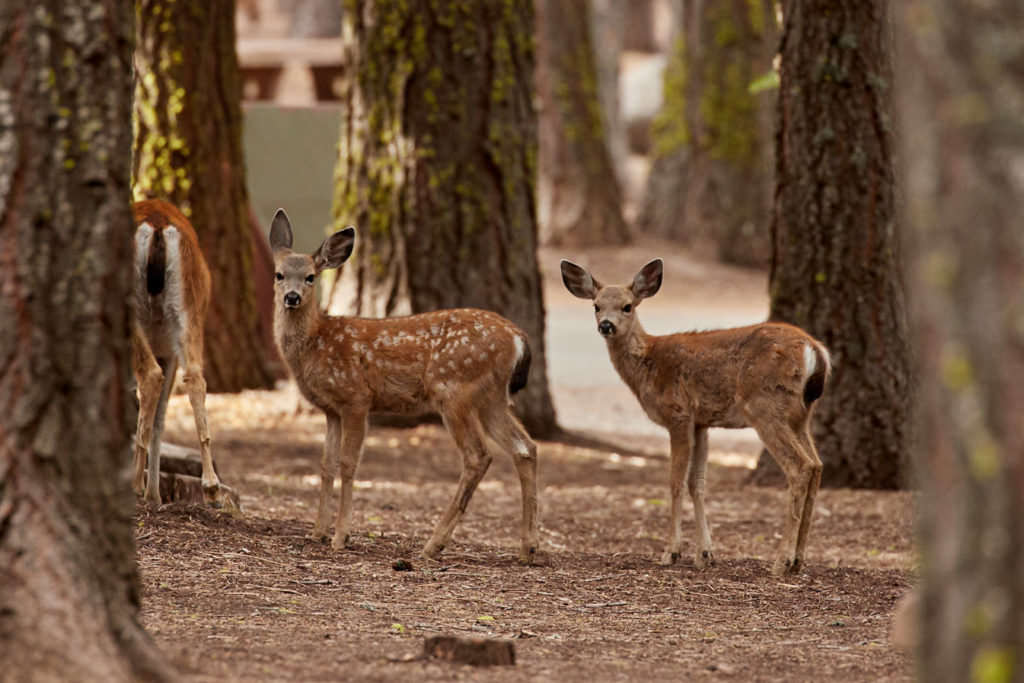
pixel 812 491
pixel 169 369
pixel 511 436
pixel 353 431
pixel 784 445
pixel 681 439
pixel 328 466
pixel 466 430
pixel 695 483
pixel 149 379
pixel 195 385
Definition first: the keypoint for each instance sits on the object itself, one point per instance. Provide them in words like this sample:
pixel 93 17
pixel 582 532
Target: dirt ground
pixel 250 598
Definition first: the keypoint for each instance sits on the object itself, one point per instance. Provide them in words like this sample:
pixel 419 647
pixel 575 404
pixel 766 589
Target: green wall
pixel 290 154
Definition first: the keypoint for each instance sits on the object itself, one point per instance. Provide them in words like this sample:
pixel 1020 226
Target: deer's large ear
pixel 280 231
pixel 648 281
pixel 335 250
pixel 578 281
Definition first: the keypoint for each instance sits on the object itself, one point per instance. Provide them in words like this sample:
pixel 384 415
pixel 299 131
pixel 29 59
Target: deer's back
pixel 172 281
pixel 409 364
pixel 711 375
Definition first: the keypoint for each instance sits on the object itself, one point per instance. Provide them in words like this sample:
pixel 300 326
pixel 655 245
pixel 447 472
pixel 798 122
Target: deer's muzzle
pixel 292 300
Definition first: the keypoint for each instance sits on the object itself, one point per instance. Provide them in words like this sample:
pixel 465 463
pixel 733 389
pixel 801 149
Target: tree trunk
pixel 710 183
pixel 836 249
pixel 638 30
pixel 69 600
pixel 606 21
pixel 436 167
pixel 579 197
pixel 188 150
pixel 961 149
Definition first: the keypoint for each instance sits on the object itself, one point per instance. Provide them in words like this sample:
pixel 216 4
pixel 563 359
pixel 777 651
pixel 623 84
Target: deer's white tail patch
pixel 520 347
pixel 810 360
pixel 143 235
pixel 174 302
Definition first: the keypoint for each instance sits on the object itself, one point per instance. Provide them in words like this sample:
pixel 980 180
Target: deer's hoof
pixel 668 558
pixel 528 556
pixel 786 565
pixel 704 559
pixel 340 542
pixel 317 535
pixel 432 552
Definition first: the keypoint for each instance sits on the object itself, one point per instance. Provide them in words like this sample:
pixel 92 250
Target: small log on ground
pixel 184 488
pixel 473 651
pixel 176 459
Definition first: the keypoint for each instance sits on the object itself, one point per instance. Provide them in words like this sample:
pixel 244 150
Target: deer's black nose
pixel 292 299
pixel 606 328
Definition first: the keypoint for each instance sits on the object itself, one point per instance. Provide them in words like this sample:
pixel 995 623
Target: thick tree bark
pixel 69 588
pixel 961 117
pixel 188 150
pixel 710 183
pixel 836 249
pixel 580 199
pixel 436 168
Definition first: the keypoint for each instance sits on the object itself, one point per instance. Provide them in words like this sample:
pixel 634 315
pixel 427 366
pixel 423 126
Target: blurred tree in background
pixel 711 178
pixel 836 268
pixel 960 97
pixel 437 165
pixel 69 602
pixel 579 197
pixel 188 150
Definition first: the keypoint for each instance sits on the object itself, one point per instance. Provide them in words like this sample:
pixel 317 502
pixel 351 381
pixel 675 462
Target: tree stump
pixel 181 473
pixel 472 651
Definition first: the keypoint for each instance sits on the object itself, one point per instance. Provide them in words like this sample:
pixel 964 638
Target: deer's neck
pixel 293 331
pixel 629 354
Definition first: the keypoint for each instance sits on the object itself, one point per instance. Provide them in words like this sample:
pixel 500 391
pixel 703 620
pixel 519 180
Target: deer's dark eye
pixel 596 308
pixel 627 308
pixel 278 276
pixel 310 279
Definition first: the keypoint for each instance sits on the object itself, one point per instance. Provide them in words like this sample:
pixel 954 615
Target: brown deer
pixel 764 376
pixel 171 292
pixel 462 363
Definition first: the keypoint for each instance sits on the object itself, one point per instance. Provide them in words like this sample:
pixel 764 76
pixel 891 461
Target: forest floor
pixel 251 598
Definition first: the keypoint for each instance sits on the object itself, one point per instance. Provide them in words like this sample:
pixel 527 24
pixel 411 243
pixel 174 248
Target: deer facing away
pixel 764 376
pixel 463 363
pixel 171 294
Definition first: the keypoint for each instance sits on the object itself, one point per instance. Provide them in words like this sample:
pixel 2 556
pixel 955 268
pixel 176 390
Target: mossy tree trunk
pixel 188 150
pixel 710 183
pixel 437 165
pixel 961 118
pixel 836 269
pixel 580 199
pixel 69 588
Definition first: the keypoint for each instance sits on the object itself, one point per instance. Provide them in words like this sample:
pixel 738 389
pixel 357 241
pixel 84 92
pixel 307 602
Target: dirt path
pixel 251 599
